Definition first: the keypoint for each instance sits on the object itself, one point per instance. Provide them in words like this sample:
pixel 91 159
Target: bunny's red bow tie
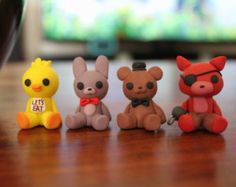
pixel 85 101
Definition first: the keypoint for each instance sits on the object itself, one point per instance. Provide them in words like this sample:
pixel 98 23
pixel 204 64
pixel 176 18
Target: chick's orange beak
pixel 37 87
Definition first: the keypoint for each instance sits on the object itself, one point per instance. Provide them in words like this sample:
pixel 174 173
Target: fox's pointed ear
pixel 218 62
pixel 182 63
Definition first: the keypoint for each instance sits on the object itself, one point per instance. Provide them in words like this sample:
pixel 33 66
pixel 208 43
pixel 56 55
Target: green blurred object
pixel 150 20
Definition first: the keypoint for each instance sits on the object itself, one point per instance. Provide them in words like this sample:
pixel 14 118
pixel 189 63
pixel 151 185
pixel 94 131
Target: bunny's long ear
pixel 79 66
pixel 102 65
pixel 218 62
pixel 182 63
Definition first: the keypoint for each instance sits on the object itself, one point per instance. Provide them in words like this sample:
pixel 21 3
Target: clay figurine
pixel 40 83
pixel 91 87
pixel 140 86
pixel 200 81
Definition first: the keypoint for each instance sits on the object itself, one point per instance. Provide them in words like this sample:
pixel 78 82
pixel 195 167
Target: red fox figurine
pixel 200 81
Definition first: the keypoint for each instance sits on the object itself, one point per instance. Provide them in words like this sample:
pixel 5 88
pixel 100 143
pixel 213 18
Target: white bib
pixel 38 105
pixel 90 109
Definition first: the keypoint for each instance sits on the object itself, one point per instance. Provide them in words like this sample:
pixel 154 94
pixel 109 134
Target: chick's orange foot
pixel 22 120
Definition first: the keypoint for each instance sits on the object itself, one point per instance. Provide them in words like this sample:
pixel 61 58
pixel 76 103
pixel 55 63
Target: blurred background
pixel 131 29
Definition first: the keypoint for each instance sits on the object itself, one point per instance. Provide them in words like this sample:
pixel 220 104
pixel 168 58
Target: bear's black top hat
pixel 139 66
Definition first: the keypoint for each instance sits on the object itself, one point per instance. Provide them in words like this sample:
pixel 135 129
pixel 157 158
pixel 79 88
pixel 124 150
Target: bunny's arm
pixel 105 111
pixel 78 109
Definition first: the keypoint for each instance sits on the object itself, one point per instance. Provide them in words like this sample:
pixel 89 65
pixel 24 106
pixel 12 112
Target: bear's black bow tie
pixel 137 102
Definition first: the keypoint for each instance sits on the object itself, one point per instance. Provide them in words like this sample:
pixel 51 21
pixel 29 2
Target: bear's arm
pixel 105 111
pixel 127 109
pixel 216 108
pixel 160 112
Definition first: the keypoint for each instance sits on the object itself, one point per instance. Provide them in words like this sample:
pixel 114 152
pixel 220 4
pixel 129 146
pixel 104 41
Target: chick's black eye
pixel 190 79
pixel 80 85
pixel 150 85
pixel 214 79
pixel 129 86
pixel 99 84
pixel 27 82
pixel 46 82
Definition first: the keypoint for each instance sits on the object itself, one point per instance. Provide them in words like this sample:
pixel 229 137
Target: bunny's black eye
pixel 46 82
pixel 129 86
pixel 99 84
pixel 80 85
pixel 150 85
pixel 214 79
pixel 27 82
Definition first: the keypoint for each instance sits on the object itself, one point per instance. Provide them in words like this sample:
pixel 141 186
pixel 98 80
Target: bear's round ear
pixel 123 72
pixel 156 72
pixel 182 63
pixel 218 62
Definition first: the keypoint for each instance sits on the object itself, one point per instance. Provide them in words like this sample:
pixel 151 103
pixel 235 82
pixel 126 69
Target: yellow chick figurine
pixel 40 83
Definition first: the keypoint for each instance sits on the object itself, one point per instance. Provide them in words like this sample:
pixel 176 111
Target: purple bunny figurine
pixel 91 87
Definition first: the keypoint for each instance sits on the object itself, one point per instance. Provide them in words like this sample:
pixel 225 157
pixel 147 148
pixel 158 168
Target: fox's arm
pixel 216 108
pixel 185 105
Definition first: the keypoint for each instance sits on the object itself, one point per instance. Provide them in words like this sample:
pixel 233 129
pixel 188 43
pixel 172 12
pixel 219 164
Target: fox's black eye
pixel 80 85
pixel 129 86
pixel 214 79
pixel 99 84
pixel 27 82
pixel 190 79
pixel 150 85
pixel 46 82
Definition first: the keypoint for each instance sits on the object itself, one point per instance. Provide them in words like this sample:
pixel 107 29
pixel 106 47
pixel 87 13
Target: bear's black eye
pixel 150 85
pixel 129 86
pixel 46 82
pixel 99 84
pixel 80 85
pixel 214 79
pixel 27 82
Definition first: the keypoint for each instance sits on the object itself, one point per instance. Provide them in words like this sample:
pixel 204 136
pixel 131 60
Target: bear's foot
pixel 152 122
pixel 126 121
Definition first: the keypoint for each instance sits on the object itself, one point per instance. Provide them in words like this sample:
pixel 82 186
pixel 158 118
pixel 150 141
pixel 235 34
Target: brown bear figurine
pixel 139 85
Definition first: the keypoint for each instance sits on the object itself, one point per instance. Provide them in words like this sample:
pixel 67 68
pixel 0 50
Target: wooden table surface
pixel 40 157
